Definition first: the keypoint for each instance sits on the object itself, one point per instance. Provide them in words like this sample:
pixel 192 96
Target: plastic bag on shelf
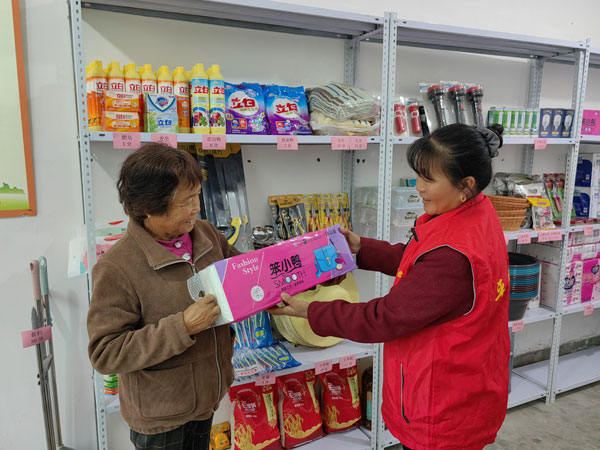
pixel 340 399
pixel 341 102
pixel 253 332
pixel 326 126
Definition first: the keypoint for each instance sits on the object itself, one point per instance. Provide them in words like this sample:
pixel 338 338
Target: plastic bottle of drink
pixel 216 84
pixel 133 83
pixel 200 100
pixel 181 89
pixel 95 83
pixel 164 80
pixel 116 79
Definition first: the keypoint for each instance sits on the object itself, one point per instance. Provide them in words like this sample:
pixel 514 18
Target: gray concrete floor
pixel 572 423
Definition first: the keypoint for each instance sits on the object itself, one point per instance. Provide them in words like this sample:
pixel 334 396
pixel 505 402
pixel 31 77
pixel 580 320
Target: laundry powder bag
pixel 245 109
pixel 254 417
pixel 287 110
pixel 340 398
pixel 299 412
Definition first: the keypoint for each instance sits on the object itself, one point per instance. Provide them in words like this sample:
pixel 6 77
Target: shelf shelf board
pixel 516 140
pixel 353 439
pixel 537 315
pixel 588 139
pixel 514 235
pixel 577 308
pixel 252 14
pixel 106 136
pixel 524 391
pixel 389 439
pixel 578 369
pixel 308 357
pixel 536 373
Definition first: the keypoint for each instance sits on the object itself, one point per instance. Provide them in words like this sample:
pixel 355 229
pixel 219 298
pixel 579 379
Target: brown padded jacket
pixel 136 329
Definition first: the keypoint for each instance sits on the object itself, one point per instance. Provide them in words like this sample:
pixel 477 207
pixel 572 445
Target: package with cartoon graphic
pixel 287 110
pixel 299 413
pixel 252 282
pixel 254 417
pixel 340 400
pixel 245 109
pixel 161 113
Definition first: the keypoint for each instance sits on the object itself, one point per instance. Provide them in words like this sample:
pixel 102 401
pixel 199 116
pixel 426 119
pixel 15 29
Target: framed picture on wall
pixel 17 189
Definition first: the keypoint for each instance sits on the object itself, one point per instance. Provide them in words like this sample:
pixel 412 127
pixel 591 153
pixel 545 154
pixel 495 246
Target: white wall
pixel 244 55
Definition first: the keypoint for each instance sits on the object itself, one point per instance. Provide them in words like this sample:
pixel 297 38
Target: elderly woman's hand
pixel 201 315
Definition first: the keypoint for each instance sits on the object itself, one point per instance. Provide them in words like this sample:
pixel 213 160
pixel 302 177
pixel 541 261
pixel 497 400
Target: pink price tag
pixel 517 325
pixel 287 142
pixel 214 142
pixel 166 139
pixel 540 143
pixel 340 143
pixel 347 361
pixel 323 366
pixel 555 235
pixel 524 238
pixel 35 337
pixel 130 141
pixel 358 143
pixel 265 379
pixel 588 230
pixel 544 236
pixel 588 309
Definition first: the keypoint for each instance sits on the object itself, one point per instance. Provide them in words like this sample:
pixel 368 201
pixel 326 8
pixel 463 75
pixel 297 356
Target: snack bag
pixel 254 417
pixel 245 109
pixel 299 412
pixel 287 110
pixel 340 398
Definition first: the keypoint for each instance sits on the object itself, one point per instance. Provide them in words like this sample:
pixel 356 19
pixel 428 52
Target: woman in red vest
pixel 445 320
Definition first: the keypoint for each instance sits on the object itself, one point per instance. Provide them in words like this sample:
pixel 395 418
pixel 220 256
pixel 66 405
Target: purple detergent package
pixel 287 110
pixel 245 109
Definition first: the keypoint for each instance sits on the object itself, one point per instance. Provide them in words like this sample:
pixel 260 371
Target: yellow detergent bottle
pixel 181 89
pixel 133 83
pixel 116 79
pixel 148 79
pixel 164 80
pixel 200 100
pixel 216 84
pixel 95 82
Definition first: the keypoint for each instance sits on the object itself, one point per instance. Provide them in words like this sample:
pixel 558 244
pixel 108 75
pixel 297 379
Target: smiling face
pixel 440 195
pixel 179 218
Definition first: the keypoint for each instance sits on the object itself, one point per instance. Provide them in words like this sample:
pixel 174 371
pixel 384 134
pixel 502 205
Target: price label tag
pixel 555 235
pixel 588 230
pixel 588 309
pixel 517 325
pixel 169 139
pixel 265 379
pixel 340 143
pixel 347 361
pixel 540 143
pixel 544 236
pixel 287 142
pixel 323 366
pixel 524 238
pixel 214 141
pixel 358 143
pixel 35 337
pixel 130 141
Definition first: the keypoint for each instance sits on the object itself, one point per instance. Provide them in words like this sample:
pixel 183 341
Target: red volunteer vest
pixel 446 386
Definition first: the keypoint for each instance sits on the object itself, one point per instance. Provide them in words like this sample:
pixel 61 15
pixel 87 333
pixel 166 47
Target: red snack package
pixel 340 398
pixel 300 415
pixel 254 417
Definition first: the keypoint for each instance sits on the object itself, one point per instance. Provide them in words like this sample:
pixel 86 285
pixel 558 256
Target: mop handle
pixel 43 275
pixel 34 267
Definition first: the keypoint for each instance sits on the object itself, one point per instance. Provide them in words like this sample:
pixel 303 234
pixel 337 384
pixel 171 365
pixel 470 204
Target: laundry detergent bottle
pixel 181 89
pixel 216 85
pixel 133 84
pixel 116 78
pixel 95 85
pixel 164 80
pixel 199 100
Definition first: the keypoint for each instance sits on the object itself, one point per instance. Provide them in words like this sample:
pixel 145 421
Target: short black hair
pixel 458 151
pixel 150 176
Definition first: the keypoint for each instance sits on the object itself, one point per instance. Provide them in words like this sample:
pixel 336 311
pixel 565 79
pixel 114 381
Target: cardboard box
pixel 573 284
pixel 590 280
pixel 122 101
pixel 545 122
pixel 556 122
pixel 567 123
pixel 161 113
pixel 120 121
pixel 590 125
pixel 588 170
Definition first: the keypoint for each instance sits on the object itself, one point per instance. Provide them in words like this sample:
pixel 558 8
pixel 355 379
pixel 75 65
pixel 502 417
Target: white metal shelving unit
pixel 536 381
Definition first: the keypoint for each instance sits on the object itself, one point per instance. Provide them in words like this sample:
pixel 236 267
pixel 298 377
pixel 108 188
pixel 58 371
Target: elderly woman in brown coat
pixel 173 367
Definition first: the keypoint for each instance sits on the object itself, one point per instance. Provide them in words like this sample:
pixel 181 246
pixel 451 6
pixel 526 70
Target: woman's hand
pixel 353 240
pixel 292 307
pixel 334 281
pixel 201 315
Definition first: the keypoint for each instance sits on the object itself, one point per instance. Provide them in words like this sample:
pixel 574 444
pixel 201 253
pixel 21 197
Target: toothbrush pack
pixel 247 284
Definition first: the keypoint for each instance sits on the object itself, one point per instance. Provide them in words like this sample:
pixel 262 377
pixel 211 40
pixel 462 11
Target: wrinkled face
pixel 439 194
pixel 179 218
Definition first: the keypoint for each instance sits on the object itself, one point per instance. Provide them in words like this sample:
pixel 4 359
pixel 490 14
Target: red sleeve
pixel 379 256
pixel 438 289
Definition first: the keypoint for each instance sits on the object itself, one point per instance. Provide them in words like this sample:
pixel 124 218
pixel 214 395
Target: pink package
pixel 247 284
pixel 591 280
pixel 591 122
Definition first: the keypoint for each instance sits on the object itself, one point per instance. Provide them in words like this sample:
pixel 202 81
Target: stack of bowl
pixel 511 211
pixel 524 274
